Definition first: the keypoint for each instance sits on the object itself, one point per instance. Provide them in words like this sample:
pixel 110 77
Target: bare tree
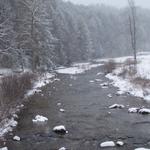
pixel 32 19
pixel 133 29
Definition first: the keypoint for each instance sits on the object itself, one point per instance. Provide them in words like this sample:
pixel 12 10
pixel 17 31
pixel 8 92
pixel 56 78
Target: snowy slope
pixel 125 84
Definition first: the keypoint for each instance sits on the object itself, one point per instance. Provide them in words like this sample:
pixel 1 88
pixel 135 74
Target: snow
pixel 109 95
pixel 62 148
pixel 16 138
pixel 99 73
pixel 5 72
pixel 125 85
pixel 119 143
pixel 61 110
pixel 91 81
pixel 15 115
pixel 133 110
pixel 141 149
pixel 39 118
pixel 4 148
pixel 144 111
pixel 120 106
pixel 59 104
pixel 60 129
pixel 77 68
pixel 108 144
pixel 8 125
pixel 98 80
pixel 41 81
pixel 104 85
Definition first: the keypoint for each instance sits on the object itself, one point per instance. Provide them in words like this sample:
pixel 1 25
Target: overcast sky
pixel 117 3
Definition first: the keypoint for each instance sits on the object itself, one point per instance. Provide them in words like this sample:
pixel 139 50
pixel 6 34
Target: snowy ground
pixel 78 68
pixel 124 84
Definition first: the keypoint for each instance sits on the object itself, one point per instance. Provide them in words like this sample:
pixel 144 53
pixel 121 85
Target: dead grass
pixel 143 82
pixel 109 66
pixel 14 87
pixel 129 62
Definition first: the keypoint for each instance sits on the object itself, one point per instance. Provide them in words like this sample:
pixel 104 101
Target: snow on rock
pixel 56 79
pixel 15 116
pixel 104 85
pixel 142 149
pixel 99 73
pixel 108 144
pixel 119 143
pixel 91 81
pixel 16 138
pixel 98 80
pixel 59 104
pixel 60 129
pixel 4 148
pixel 133 110
pixel 39 118
pixel 109 95
pixel 62 148
pixel 144 111
pixel 20 106
pixel 61 110
pixel 8 125
pixel 114 106
pixel 120 93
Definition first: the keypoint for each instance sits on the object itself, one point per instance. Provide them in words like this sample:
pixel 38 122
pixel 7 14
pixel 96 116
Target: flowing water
pixel 87 117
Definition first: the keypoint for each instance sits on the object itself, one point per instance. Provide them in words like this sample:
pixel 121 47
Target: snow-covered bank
pixel 7 125
pixel 78 68
pixel 125 83
pixel 42 80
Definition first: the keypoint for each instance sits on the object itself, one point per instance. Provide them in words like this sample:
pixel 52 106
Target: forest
pixel 44 34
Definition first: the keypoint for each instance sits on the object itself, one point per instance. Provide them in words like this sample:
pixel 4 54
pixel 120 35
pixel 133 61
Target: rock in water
pixel 108 144
pixel 144 111
pixel 114 106
pixel 58 104
pixel 60 129
pixel 16 138
pixel 62 148
pixel 109 95
pixel 119 143
pixel 39 118
pixel 61 110
pixel 133 110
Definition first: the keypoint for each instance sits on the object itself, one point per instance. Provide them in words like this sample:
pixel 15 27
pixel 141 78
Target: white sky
pixel 117 3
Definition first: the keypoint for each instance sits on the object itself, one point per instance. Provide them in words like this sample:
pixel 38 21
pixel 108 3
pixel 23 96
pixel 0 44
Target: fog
pixel 116 3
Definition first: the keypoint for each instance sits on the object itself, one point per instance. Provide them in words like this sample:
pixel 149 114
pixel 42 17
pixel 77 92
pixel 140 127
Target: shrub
pixel 109 66
pixel 13 87
pixel 129 62
pixel 141 81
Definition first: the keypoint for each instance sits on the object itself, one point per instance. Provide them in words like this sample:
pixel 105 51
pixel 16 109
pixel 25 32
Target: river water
pixel 87 117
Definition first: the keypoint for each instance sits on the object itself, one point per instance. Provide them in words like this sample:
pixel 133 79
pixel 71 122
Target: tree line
pixel 43 34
